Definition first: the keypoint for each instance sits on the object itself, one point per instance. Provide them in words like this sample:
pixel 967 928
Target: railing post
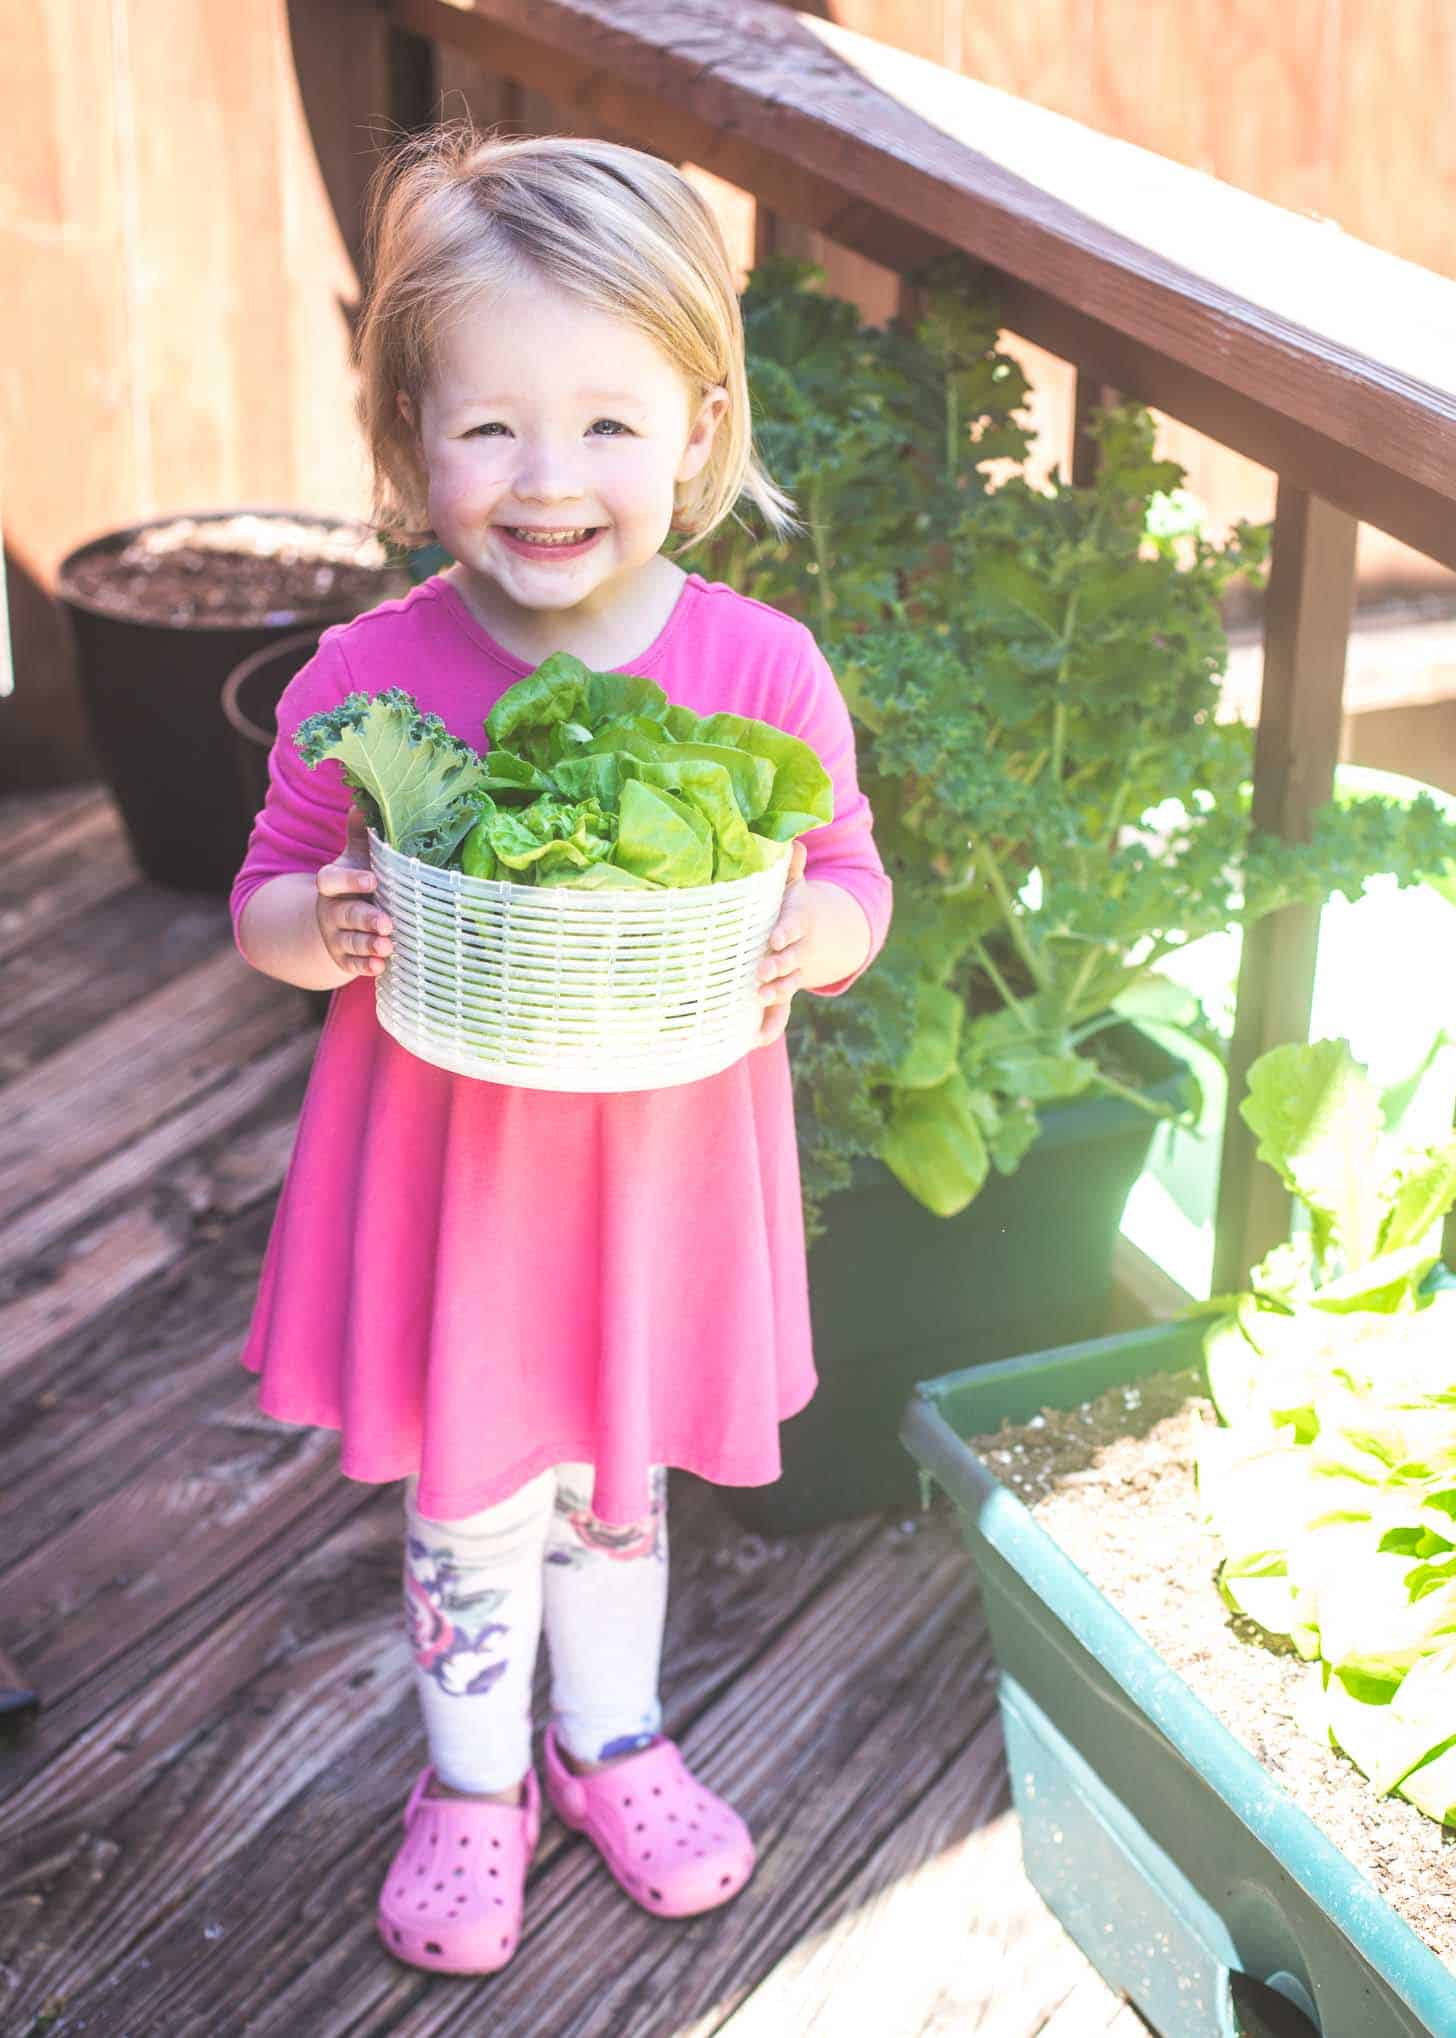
pixel 1310 599
pixel 1089 394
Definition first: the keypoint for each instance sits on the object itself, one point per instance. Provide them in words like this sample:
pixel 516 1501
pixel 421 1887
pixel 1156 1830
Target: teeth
pixel 557 538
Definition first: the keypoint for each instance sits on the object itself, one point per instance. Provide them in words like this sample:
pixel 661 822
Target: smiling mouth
pixel 527 534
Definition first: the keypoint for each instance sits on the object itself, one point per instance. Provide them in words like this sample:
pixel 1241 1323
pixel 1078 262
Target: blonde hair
pixel 450 213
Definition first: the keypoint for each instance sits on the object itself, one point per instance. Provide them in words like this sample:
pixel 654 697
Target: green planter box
pixel 898 1294
pixel 1191 1881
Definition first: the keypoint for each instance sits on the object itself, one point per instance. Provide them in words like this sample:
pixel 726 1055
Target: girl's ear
pixel 406 408
pixel 711 413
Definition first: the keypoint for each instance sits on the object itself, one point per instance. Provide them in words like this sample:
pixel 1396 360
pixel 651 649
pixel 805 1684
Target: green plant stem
pixel 821 557
pixel 986 862
pixel 1132 1096
pixel 1008 996
pixel 1087 969
pixel 1059 712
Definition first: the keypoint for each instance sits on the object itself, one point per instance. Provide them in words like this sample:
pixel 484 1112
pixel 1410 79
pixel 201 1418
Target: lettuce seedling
pixel 1331 1480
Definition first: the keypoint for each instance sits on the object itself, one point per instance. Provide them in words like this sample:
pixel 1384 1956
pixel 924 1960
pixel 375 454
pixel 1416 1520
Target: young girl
pixel 527 1304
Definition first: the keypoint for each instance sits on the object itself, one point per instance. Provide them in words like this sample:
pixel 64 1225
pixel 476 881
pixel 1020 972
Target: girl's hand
pixel 779 973
pixel 355 933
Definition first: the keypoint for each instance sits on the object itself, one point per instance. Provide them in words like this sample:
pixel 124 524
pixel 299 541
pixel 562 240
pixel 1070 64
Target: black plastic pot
pixel 250 696
pixel 152 695
pixel 898 1295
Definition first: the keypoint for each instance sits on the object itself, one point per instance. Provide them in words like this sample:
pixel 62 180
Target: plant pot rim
pixel 283 647
pixel 995 1514
pixel 122 535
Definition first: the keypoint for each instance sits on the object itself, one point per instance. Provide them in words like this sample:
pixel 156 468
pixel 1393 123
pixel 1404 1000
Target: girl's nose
pixel 545 474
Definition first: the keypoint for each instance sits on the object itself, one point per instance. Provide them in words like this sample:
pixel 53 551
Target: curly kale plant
pixel 1034 677
pixel 417 784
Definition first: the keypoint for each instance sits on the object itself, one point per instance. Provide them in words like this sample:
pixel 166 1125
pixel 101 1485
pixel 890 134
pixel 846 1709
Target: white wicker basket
pixel 553 988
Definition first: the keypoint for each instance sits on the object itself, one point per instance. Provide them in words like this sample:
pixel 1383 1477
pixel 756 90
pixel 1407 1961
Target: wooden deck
pixel 194 1827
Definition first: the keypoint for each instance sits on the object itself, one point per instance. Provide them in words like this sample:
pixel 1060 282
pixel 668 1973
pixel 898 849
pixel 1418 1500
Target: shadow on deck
pixel 194 1828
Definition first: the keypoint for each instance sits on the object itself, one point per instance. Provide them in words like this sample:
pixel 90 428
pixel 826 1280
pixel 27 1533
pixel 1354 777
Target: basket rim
pixel 628 898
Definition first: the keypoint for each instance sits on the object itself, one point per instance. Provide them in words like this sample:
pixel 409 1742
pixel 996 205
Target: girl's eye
pixel 495 426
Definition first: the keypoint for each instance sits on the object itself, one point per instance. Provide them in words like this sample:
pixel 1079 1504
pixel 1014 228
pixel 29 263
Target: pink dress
pixel 472 1281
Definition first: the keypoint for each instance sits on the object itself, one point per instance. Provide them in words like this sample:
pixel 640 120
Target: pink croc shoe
pixel 674 1846
pixel 452 1898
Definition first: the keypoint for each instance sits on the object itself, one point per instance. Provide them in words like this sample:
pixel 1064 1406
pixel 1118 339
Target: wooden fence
pixel 179 204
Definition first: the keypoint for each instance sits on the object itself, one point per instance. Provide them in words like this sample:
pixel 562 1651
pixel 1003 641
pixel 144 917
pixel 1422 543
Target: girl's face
pixel 543 416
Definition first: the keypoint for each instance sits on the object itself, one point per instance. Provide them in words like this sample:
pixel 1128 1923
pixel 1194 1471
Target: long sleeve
pixel 843 851
pixel 303 822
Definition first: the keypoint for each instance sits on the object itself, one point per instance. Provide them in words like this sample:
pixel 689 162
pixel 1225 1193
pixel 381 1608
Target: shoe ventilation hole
pixel 464 1841
pixel 433 1946
pixel 626 1800
pixel 506 1944
pixel 641 1825
pixel 657 1893
pixel 495 1843
pixel 439 1885
pixel 457 1871
pixel 657 1790
pixel 420 1907
pixel 495 1871
pixel 724 1880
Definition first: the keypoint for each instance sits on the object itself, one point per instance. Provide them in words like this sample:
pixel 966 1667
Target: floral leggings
pixel 477 1594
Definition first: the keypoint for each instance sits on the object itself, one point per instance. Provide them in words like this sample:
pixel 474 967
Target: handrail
pixel 1274 333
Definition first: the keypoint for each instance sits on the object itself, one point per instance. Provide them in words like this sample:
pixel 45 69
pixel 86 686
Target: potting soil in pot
pixel 1112 1482
pixel 242 570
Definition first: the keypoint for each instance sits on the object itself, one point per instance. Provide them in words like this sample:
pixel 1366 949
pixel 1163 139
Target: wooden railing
pixel 1320 357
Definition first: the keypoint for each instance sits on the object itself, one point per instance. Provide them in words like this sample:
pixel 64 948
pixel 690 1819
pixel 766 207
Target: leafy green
pixel 592 779
pixel 1331 1482
pixel 415 781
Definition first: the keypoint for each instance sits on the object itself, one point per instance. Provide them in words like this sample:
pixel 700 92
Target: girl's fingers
pixel 364 918
pixel 336 879
pixel 776 967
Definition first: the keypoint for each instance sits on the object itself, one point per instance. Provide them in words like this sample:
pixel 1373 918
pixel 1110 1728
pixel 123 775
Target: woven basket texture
pixel 549 987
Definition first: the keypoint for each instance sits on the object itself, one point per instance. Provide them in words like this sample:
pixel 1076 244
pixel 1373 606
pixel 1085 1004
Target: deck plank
pixel 70 866
pixel 143 1065
pixel 131 1354
pixel 73 976
pixel 70 1279
pixel 847 1686
pixel 296 1806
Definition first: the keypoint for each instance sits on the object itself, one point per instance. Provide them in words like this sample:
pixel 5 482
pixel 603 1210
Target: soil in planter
pixel 1113 1483
pixel 242 571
